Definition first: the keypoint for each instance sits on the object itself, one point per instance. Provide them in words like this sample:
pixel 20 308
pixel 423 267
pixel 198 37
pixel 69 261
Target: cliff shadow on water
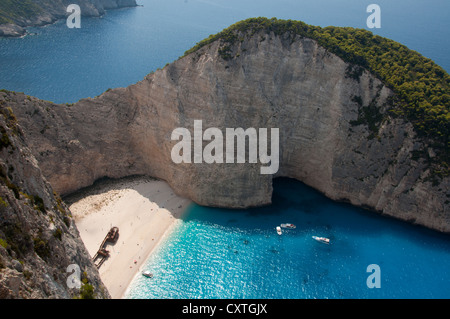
pixel 313 213
pixel 230 250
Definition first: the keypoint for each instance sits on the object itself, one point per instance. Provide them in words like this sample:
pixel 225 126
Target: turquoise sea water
pixel 216 253
pixel 219 253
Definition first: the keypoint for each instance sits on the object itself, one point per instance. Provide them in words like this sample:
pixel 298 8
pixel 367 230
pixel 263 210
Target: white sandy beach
pixel 143 209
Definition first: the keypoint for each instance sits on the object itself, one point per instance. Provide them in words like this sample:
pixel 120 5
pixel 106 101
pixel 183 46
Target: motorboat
pixel 279 230
pixel 290 226
pixel 321 239
pixel 147 274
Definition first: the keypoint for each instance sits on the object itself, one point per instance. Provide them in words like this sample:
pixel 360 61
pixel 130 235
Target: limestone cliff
pixel 15 17
pixel 38 237
pixel 264 80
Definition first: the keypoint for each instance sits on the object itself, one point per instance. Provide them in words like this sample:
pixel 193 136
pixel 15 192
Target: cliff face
pixel 30 13
pixel 335 132
pixel 38 238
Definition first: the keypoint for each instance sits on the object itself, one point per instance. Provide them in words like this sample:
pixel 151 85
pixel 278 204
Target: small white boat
pixel 290 226
pixel 279 230
pixel 321 239
pixel 147 274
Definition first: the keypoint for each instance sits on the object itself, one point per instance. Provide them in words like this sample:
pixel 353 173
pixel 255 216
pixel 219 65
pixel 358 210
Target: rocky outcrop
pixel 38 237
pixel 335 132
pixel 42 12
pixel 11 30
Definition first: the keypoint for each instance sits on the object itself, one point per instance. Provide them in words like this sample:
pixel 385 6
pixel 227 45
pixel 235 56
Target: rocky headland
pixel 16 17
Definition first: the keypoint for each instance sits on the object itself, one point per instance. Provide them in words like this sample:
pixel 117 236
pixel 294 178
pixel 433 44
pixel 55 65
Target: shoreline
pixel 144 209
pixel 154 248
pixel 15 31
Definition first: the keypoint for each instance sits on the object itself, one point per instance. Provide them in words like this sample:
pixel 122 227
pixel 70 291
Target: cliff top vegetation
pixel 13 10
pixel 422 86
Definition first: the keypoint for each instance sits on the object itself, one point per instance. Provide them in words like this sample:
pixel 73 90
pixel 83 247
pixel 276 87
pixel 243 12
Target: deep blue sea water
pixel 216 253
pixel 64 65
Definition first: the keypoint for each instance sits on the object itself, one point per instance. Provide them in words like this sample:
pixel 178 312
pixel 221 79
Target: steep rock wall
pixel 328 139
pixel 38 237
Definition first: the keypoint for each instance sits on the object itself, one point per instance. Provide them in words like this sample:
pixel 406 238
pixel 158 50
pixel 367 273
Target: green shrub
pixel 41 247
pixel 4 140
pixel 87 291
pixel 57 233
pixel 17 240
pixel 27 274
pixel 11 10
pixel 3 243
pixel 39 203
pixel 3 203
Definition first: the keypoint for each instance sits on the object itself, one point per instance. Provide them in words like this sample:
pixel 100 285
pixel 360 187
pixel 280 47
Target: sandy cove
pixel 144 209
